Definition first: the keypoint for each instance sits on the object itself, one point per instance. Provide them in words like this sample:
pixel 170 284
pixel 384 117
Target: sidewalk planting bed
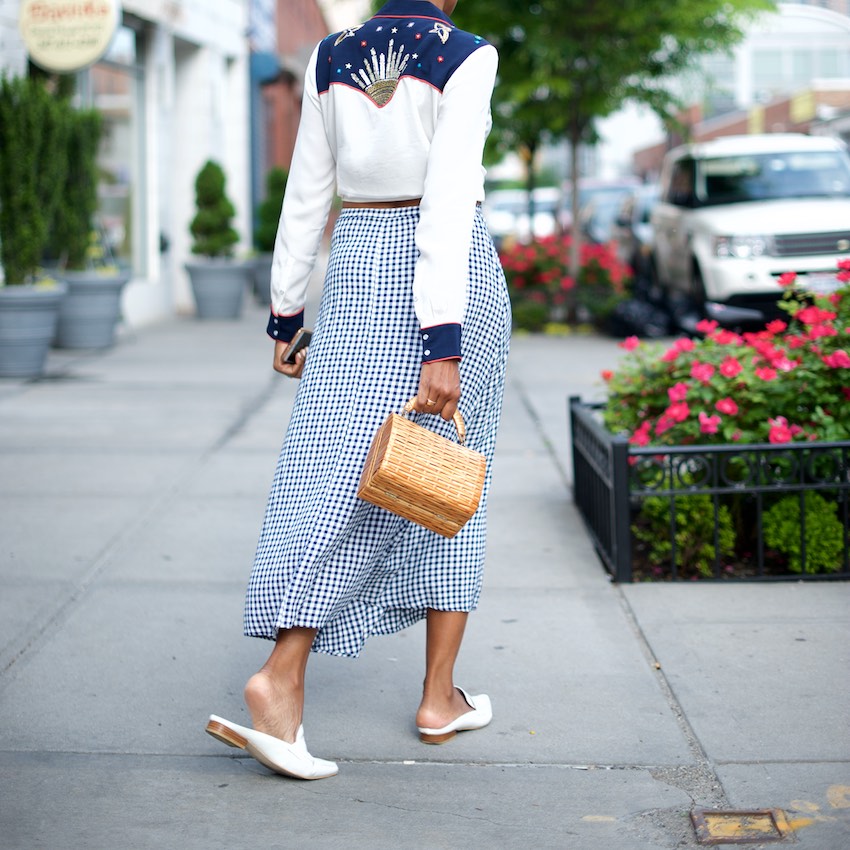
pixel 726 457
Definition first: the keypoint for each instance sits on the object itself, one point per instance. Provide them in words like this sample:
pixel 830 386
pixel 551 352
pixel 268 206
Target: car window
pixel 758 177
pixel 681 188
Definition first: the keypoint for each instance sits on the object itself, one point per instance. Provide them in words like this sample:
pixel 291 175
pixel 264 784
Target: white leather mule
pixel 274 753
pixel 480 716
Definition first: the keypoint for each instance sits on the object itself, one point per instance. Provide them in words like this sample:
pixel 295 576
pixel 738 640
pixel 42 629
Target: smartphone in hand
pixel 300 340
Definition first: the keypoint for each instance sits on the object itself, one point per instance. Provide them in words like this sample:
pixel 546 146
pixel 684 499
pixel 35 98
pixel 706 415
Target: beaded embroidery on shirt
pixel 397 43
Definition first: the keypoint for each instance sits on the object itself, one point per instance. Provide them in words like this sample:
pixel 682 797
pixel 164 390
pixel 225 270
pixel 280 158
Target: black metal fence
pixel 751 512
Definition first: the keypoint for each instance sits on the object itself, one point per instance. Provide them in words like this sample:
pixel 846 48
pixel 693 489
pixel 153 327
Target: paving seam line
pixel 49 622
pixel 680 776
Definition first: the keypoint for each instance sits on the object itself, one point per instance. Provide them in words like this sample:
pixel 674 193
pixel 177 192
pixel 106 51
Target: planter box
pixel 28 316
pixel 735 488
pixel 218 286
pixel 91 310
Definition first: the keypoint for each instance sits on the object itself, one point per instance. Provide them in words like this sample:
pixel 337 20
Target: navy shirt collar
pixel 412 9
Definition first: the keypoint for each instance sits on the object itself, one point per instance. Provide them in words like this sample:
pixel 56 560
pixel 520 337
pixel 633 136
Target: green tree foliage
pixel 565 63
pixel 34 129
pixel 214 235
pixel 70 236
pixel 268 212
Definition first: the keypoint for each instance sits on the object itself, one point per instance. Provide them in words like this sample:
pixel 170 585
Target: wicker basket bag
pixel 422 476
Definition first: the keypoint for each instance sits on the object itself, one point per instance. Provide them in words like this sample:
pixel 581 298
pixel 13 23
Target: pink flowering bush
pixel 538 281
pixel 787 383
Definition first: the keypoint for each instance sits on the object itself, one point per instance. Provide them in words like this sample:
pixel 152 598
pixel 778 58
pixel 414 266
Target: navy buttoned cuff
pixel 283 328
pixel 440 342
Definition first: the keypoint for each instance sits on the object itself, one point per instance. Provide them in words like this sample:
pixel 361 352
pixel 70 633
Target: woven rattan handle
pixel 457 419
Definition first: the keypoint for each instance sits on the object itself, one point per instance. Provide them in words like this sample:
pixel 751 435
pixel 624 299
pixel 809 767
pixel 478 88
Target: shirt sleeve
pixel 306 204
pixel 452 183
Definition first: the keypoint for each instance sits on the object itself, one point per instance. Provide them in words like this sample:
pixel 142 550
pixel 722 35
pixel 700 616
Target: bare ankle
pixel 275 706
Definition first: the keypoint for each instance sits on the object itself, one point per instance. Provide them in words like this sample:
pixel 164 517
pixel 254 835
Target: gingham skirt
pixel 326 559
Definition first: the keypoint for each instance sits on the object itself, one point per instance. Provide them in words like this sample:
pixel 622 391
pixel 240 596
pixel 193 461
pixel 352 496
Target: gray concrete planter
pixel 91 310
pixel 219 287
pixel 262 278
pixel 28 316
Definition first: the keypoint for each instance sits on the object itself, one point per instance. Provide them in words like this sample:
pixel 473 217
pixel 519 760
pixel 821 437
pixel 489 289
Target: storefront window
pixel 116 90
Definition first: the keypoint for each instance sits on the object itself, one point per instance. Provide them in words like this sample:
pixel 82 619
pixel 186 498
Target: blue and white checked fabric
pixel 326 559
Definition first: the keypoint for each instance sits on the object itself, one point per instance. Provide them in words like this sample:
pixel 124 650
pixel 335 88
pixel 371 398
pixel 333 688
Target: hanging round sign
pixel 67 35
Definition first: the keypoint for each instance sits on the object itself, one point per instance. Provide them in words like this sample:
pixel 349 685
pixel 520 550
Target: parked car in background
pixel 632 231
pixel 737 212
pixel 506 212
pixel 598 202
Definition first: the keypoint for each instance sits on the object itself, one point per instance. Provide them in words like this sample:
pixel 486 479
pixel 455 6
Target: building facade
pixel 173 91
pixel 790 74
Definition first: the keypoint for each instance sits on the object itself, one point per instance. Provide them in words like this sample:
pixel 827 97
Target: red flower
pixel 708 424
pixel 678 392
pixel 724 337
pixel 680 345
pixel 567 283
pixel 607 374
pixel 765 373
pixel 787 279
pixel 819 331
pixel 839 360
pixel 813 315
pixel 730 367
pixel 630 343
pixel 678 412
pixel 779 430
pixel 727 406
pixel 844 265
pixel 707 326
pixel 641 435
pixel 776 326
pixel 702 371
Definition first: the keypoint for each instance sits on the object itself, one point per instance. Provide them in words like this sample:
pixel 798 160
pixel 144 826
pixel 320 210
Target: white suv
pixel 737 212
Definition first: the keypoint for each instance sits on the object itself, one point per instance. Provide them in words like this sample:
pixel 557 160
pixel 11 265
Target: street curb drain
pixel 740 826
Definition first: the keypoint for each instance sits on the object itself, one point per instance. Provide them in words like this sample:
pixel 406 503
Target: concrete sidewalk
pixel 132 487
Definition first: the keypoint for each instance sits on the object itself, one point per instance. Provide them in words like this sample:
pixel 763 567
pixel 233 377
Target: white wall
pixel 13 57
pixel 196 108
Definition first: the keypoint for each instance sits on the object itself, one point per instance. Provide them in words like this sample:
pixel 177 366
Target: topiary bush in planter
pixel 211 226
pixel 34 131
pixel 218 281
pixel 265 234
pixel 33 161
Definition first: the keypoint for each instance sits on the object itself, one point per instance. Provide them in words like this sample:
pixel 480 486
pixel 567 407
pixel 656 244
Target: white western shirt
pixel 393 109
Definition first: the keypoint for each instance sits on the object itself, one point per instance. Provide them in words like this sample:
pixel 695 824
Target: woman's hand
pixel 291 370
pixel 439 388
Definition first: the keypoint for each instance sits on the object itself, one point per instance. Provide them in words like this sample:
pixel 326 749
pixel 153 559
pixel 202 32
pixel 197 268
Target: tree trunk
pixel 574 256
pixel 527 154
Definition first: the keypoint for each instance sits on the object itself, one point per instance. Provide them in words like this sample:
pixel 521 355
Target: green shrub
pixel 33 161
pixel 268 212
pixel 529 315
pixel 73 224
pixel 824 533
pixel 214 236
pixel 694 533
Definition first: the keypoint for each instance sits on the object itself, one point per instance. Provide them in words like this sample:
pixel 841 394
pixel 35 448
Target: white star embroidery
pixel 411 24
pixel 379 29
pixel 348 66
pixel 415 55
pixel 394 29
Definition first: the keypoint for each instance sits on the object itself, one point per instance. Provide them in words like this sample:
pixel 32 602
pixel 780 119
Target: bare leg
pixel 275 695
pixel 442 702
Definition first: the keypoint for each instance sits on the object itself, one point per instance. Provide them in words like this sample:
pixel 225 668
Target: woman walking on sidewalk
pixel 395 115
